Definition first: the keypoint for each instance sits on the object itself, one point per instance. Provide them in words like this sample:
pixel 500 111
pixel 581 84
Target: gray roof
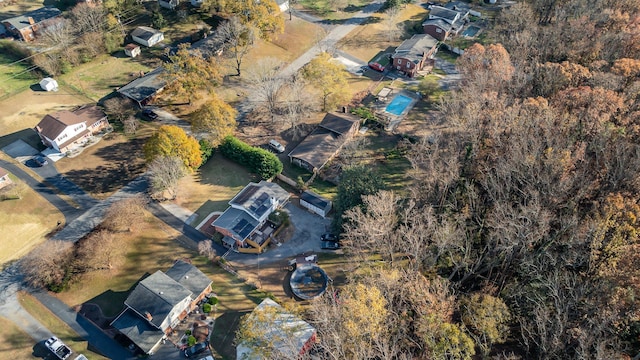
pixel 138 330
pixel 318 147
pixel 145 86
pixel 156 295
pixel 208 46
pixel 145 32
pixel 22 21
pixel 413 49
pixel 443 13
pixel 236 221
pixel 458 6
pixel 189 276
pixel 256 199
pixel 339 124
pixel 439 23
pixel 315 199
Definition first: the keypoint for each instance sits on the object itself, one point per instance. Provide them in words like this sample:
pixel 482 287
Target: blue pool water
pixel 398 104
pixel 471 31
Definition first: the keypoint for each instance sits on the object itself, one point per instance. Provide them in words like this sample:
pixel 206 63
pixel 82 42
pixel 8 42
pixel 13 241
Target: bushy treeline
pixel 259 161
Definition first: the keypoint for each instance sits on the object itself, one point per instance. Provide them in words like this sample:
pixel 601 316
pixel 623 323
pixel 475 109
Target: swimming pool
pixel 471 31
pixel 398 105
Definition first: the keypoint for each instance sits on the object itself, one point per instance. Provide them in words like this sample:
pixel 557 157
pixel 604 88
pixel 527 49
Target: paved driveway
pixel 306 239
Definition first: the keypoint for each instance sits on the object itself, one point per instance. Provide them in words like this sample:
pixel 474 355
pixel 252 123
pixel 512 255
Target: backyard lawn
pixel 327 10
pixel 212 186
pixel 25 222
pixel 367 40
pixel 14 343
pixel 15 77
pixel 51 322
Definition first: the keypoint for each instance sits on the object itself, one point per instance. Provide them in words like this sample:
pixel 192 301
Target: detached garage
pixel 147 36
pixel 315 203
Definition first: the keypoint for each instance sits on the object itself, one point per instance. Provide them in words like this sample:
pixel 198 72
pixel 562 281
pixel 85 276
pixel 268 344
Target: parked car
pixel 196 349
pixel 149 114
pixel 329 237
pixel 376 66
pixel 329 245
pixel 40 160
pixel 276 146
pixel 59 348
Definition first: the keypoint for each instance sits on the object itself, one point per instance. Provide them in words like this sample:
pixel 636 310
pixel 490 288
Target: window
pixel 399 61
pixel 438 30
pixel 408 65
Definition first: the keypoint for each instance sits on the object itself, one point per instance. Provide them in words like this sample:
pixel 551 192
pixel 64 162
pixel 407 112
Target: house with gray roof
pixel 143 89
pixel 244 223
pixel 414 53
pixel 25 26
pixel 159 302
pixel 323 143
pixel 315 203
pixel 147 36
pixel 455 14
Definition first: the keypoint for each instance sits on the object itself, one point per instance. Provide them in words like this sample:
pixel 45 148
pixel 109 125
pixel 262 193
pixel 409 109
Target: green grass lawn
pixel 14 77
pixel 57 326
pixel 446 55
pixel 326 10
pixel 14 343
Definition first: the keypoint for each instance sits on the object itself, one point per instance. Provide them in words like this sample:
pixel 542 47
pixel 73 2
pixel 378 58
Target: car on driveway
pixel 329 245
pixel 377 67
pixel 40 160
pixel 149 114
pixel 196 349
pixel 329 237
pixel 276 146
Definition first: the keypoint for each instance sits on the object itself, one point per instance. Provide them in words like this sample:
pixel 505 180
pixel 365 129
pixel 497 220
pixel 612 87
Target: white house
pixel 147 36
pixel 49 84
pixel 315 203
pixel 65 130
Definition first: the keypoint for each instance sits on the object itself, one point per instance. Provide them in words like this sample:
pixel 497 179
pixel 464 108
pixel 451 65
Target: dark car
pixel 329 245
pixel 149 114
pixel 376 66
pixel 329 237
pixel 40 160
pixel 196 349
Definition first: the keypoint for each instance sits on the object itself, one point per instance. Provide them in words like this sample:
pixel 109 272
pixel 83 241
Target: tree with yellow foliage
pixel 190 72
pixel 171 140
pixel 264 15
pixel 329 78
pixel 215 117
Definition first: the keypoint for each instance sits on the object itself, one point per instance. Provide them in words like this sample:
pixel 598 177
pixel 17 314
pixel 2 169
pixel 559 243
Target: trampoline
pixel 308 281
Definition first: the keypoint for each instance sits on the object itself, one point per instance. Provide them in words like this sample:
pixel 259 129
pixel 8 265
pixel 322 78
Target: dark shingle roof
pixel 237 221
pixel 144 32
pixel 156 295
pixel 315 199
pixel 339 124
pixel 22 21
pixel 145 86
pixel 443 13
pixel 412 49
pixel 317 148
pixel 189 276
pixel 138 330
pixel 439 23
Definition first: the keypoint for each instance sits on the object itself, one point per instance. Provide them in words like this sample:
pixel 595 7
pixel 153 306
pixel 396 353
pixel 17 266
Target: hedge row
pixel 259 161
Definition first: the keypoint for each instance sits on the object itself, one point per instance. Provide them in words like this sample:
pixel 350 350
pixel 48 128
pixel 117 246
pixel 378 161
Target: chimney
pixel 31 21
pixel 148 315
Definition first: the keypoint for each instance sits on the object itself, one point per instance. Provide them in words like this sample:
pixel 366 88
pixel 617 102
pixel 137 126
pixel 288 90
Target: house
pixel 412 55
pixel 244 223
pixel 143 89
pixel 64 130
pixel 132 50
pixel 323 143
pixel 284 332
pixel 208 46
pixel 159 302
pixel 4 178
pixel 169 4
pixel 453 17
pixel 147 36
pixel 315 203
pixel 437 28
pixel 25 26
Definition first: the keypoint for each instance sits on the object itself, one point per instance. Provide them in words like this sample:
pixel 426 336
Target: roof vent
pixel 186 276
pixel 161 293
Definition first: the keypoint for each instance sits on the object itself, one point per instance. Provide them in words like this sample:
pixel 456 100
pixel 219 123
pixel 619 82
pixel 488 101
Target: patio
pixel 196 323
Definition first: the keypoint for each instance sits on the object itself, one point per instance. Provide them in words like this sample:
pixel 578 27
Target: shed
pixel 132 50
pixel 147 36
pixel 315 203
pixel 49 84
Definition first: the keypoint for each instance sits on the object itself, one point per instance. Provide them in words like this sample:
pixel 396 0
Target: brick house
pixel 412 55
pixel 25 26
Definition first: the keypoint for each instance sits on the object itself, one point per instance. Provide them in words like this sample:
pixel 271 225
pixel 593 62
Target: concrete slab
pixel 52 154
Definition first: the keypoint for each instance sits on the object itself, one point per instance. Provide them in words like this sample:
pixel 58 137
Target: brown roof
pixel 318 147
pixel 339 124
pixel 54 124
pixel 3 172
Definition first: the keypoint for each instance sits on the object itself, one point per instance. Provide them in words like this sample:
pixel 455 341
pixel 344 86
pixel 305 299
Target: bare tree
pixel 119 109
pixel 48 264
pixel 205 248
pixel 89 18
pixel 266 84
pixel 101 250
pixel 237 39
pixel 124 215
pixel 59 33
pixel 131 125
pixel 391 23
pixel 299 103
pixel 165 172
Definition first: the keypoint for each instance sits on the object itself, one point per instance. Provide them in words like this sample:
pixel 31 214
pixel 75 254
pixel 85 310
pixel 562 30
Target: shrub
pixel 191 341
pixel 188 332
pixel 206 308
pixel 207 149
pixel 259 161
pixel 364 113
pixel 213 300
pixel 279 217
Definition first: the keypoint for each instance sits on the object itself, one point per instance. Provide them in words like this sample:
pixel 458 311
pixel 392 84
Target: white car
pixel 276 146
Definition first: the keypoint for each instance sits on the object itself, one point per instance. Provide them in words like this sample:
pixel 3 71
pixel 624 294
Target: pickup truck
pixel 57 347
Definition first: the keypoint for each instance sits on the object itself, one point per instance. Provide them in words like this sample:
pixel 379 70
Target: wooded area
pixel 518 238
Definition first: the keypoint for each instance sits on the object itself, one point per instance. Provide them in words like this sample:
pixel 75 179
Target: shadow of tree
pixel 223 335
